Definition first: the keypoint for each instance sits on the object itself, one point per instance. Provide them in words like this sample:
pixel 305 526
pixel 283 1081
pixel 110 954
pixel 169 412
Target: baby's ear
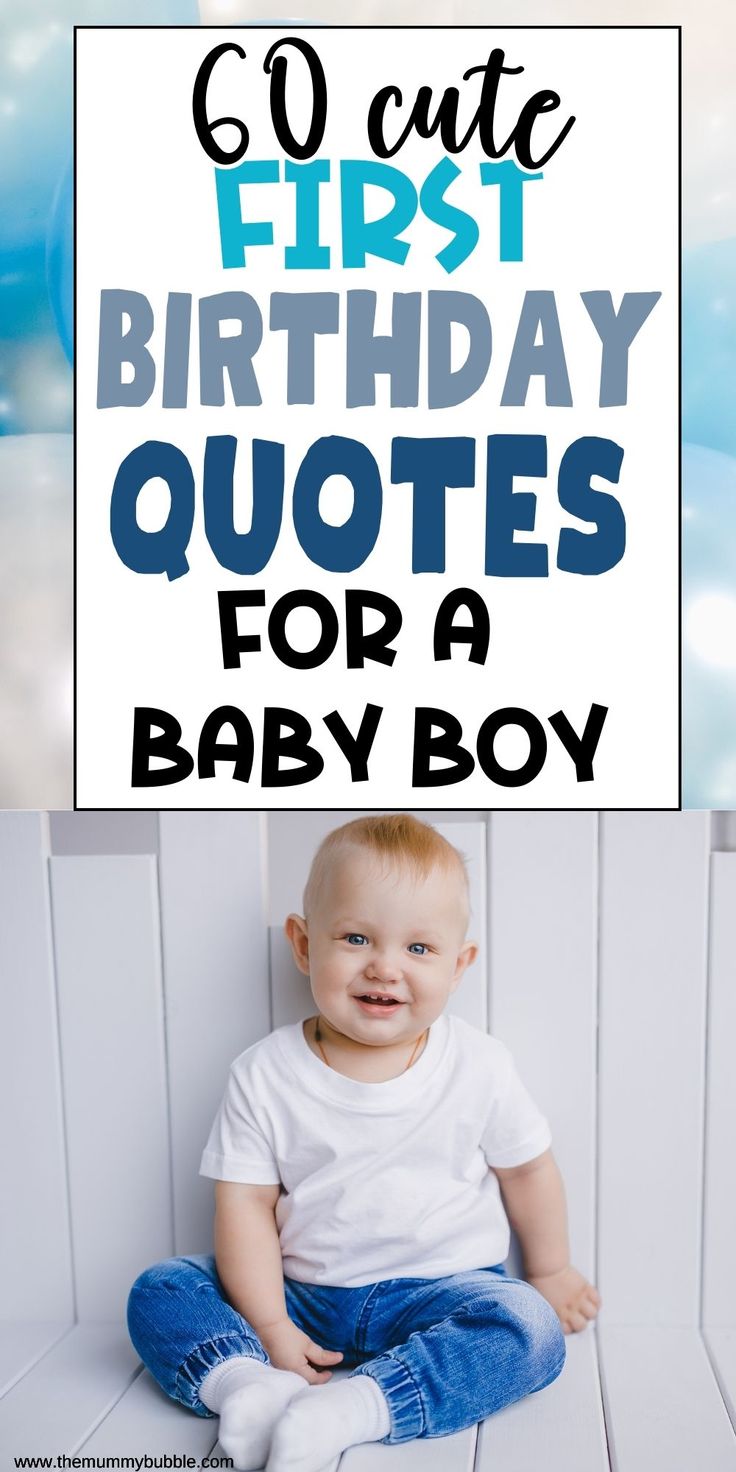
pixel 466 957
pixel 297 934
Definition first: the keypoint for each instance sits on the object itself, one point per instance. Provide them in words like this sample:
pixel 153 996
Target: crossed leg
pixel 445 1354
pixel 441 1354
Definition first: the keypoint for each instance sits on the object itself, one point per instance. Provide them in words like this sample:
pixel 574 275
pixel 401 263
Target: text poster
pixel 377 417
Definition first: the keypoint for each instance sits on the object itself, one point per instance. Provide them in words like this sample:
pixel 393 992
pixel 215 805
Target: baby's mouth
pixel 374 1002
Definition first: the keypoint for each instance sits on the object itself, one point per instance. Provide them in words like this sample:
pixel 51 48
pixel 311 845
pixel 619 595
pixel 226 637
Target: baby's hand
pixel 289 1349
pixel 573 1298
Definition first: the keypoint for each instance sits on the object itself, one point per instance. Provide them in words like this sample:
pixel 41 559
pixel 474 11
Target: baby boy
pixel 368 1162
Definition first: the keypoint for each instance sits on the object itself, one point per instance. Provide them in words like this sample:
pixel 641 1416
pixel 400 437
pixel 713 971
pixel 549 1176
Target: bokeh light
pixel 709 345
pixel 709 628
pixel 36 620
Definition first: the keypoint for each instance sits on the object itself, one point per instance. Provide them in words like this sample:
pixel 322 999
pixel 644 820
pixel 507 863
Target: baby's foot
pixel 249 1397
pixel 324 1420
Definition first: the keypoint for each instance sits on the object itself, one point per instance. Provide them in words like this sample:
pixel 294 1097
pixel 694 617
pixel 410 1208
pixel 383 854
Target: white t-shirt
pixel 380 1180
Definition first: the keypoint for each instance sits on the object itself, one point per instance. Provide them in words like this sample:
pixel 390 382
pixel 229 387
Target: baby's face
pixel 383 947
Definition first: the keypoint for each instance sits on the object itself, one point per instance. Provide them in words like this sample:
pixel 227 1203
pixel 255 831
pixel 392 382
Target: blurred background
pixel 36 265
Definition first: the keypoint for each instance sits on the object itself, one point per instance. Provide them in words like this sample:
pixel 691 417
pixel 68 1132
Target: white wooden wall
pixel 128 985
pixel 130 980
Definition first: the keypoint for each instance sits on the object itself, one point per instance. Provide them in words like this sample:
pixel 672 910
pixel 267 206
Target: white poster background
pixel 603 218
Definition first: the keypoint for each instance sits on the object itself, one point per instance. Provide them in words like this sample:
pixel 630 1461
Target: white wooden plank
pixel 147 1421
pixel 215 953
pixel 110 1004
pixel 22 1345
pixel 653 933
pixel 56 1405
pixel 719 1278
pixel 560 1427
pixel 291 998
pixel 34 1210
pixel 543 930
pixel 664 1412
pixel 721 1345
pixel 105 832
pixel 433 1454
pixel 470 1001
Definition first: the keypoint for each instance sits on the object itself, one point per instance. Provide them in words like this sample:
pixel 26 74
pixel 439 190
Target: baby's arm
pixel 534 1197
pixel 248 1257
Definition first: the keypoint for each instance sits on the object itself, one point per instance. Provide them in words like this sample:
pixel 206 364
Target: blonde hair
pixel 397 838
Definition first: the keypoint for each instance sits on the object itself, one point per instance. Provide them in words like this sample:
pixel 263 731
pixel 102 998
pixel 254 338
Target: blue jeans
pixel 446 1352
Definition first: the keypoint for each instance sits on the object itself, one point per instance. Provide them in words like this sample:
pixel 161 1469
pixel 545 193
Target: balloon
pixel 709 346
pixel 35 136
pixel 709 628
pixel 141 12
pixel 60 260
pixel 36 620
pixel 36 53
pixel 60 235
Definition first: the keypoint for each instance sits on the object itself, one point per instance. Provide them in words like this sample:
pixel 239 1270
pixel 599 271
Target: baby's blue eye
pixel 418 948
pixel 356 940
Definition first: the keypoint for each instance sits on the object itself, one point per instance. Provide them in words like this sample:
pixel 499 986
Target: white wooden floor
pixel 632 1399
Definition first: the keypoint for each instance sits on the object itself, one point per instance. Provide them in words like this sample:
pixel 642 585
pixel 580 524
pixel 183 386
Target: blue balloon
pixel 35 136
pixel 144 12
pixel 709 346
pixel 708 615
pixel 36 56
pixel 60 260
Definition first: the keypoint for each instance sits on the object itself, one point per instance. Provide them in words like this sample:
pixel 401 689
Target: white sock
pixel 249 1397
pixel 324 1420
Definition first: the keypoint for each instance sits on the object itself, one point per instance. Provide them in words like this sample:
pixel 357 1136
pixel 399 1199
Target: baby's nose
pixel 384 966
